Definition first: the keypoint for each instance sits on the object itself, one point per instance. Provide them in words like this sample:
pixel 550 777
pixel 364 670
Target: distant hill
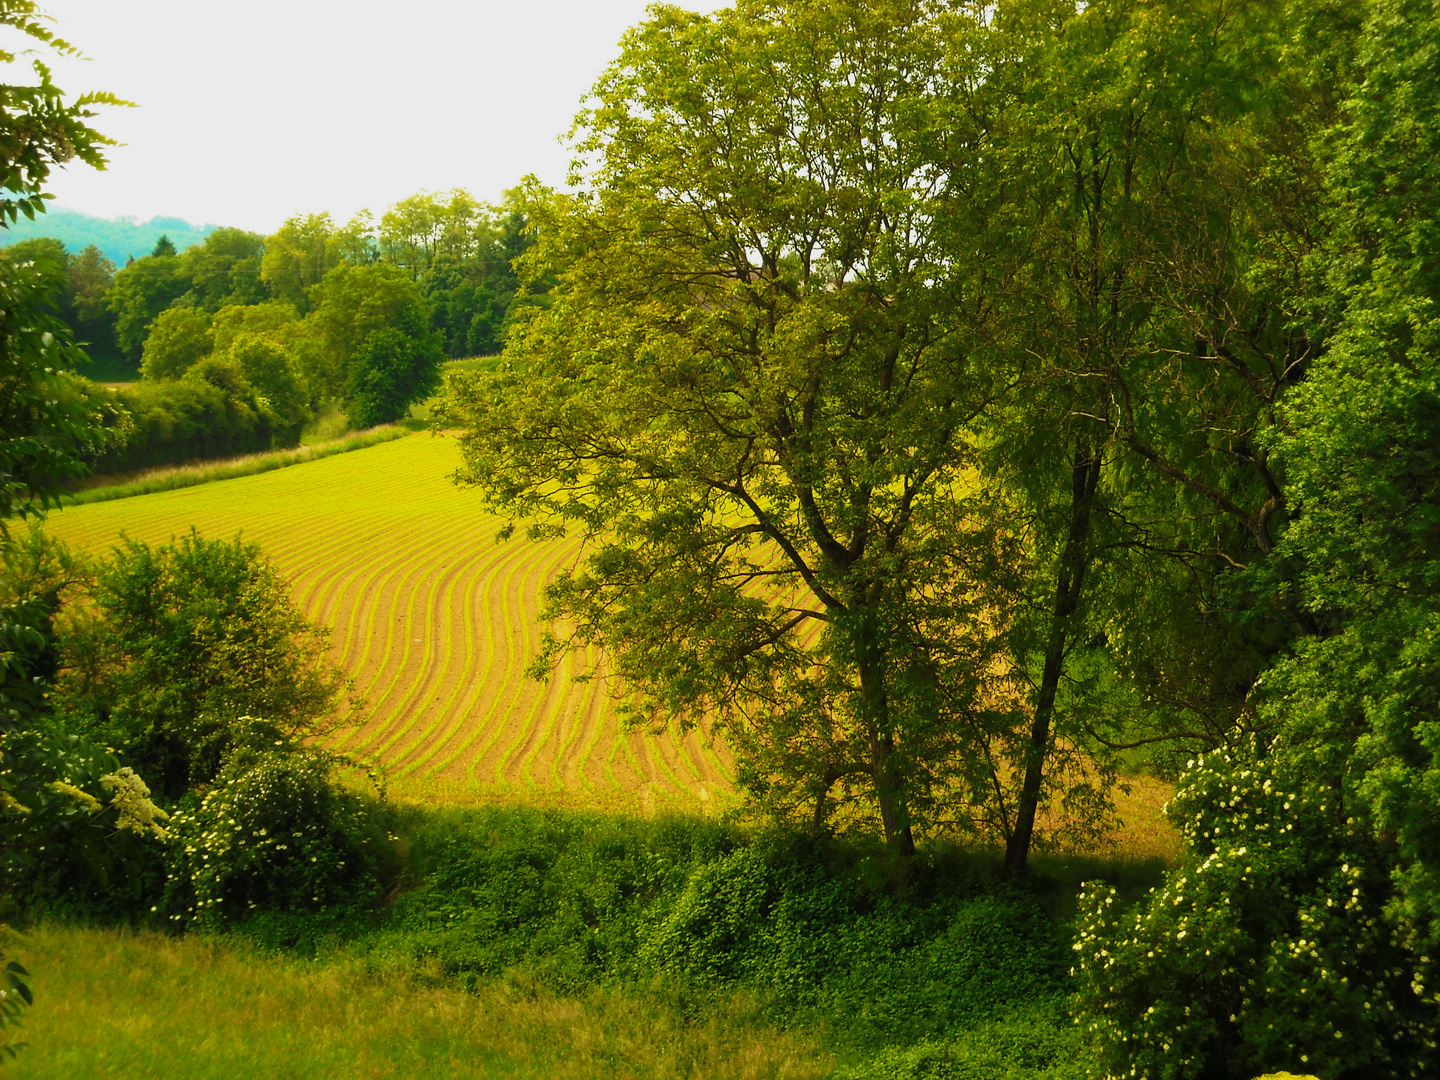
pixel 118 238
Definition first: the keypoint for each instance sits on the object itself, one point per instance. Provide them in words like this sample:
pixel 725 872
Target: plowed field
pixel 436 622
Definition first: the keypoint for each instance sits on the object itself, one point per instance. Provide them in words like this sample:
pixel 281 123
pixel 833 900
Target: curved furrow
pixel 380 546
pixel 504 683
pixel 530 584
pixel 431 690
pixel 375 612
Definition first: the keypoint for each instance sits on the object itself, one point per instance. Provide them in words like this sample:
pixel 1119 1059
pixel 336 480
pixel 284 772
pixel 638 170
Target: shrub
pixel 183 645
pixel 276 836
pixel 1267 947
pixel 269 368
pixel 778 917
pixel 211 413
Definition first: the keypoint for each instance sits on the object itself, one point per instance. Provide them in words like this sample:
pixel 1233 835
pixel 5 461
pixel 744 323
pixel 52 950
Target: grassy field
pixel 436 623
pixel 118 1003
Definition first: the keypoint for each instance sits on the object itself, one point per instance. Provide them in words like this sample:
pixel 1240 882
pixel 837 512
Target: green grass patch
pixel 171 478
pixel 565 943
pixel 139 1004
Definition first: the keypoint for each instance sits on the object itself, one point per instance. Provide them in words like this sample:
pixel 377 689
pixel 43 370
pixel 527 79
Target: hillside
pixel 119 238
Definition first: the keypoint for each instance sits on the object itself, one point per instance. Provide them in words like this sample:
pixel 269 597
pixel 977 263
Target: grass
pixel 173 477
pixel 519 943
pixel 122 1003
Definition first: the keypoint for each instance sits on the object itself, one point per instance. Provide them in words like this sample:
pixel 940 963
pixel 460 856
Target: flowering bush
pixel 1267 948
pixel 276 833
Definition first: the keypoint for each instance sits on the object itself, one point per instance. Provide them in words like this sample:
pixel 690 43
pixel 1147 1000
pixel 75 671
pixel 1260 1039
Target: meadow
pixel 436 622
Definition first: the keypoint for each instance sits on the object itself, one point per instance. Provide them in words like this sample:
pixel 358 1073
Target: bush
pixel 183 645
pixel 689 908
pixel 778 918
pixel 212 413
pixel 1267 947
pixel 276 836
pixel 269 368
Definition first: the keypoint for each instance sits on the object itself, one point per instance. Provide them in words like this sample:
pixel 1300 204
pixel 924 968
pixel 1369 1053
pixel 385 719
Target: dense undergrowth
pixel 957 975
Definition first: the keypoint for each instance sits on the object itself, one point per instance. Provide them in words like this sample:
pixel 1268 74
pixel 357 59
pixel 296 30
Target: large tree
pixel 754 397
pixel 1155 196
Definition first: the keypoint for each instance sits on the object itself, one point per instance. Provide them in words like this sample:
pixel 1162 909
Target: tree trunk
pixel 1084 477
pixel 889 786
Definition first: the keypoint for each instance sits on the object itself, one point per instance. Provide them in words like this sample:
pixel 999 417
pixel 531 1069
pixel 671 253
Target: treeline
pixel 237 341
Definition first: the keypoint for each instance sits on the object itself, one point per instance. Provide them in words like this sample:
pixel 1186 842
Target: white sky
pixel 250 112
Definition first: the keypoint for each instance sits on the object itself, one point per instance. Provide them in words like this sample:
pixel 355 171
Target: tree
pixel 754 396
pixel 392 368
pixel 44 425
pixel 163 247
pixel 142 290
pixel 89 278
pixel 425 229
pixel 274 320
pixel 351 303
pixel 1305 915
pixel 269 367
pixel 178 338
pixel 188 643
pixel 225 269
pixel 304 250
pixel 1366 473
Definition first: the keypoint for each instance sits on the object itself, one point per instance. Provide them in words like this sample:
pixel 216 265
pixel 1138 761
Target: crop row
pixel 436 622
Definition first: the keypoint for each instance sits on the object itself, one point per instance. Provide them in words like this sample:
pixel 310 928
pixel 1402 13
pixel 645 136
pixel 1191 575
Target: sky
pixel 247 114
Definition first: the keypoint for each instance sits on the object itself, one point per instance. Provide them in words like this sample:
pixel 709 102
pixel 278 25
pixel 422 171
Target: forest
pixel 242 340
pixel 961 410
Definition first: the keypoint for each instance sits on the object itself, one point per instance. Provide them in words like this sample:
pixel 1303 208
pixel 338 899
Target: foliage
pixel 751 399
pixel 573 901
pixel 781 921
pixel 41 129
pixel 72 815
pixel 88 279
pixel 211 413
pixel 108 488
pixel 353 302
pixel 462 255
pixel 224 269
pixel 303 251
pixel 183 645
pixel 1267 947
pixel 178 339
pixel 277 836
pixel 273 320
pixel 270 369
pixel 393 368
pixel 1030 1042
pixel 47 423
pixel 1318 950
pixel 15 994
pixel 141 291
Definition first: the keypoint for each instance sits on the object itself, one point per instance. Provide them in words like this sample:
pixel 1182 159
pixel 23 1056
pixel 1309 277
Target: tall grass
pixel 170 478
pixel 121 1003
